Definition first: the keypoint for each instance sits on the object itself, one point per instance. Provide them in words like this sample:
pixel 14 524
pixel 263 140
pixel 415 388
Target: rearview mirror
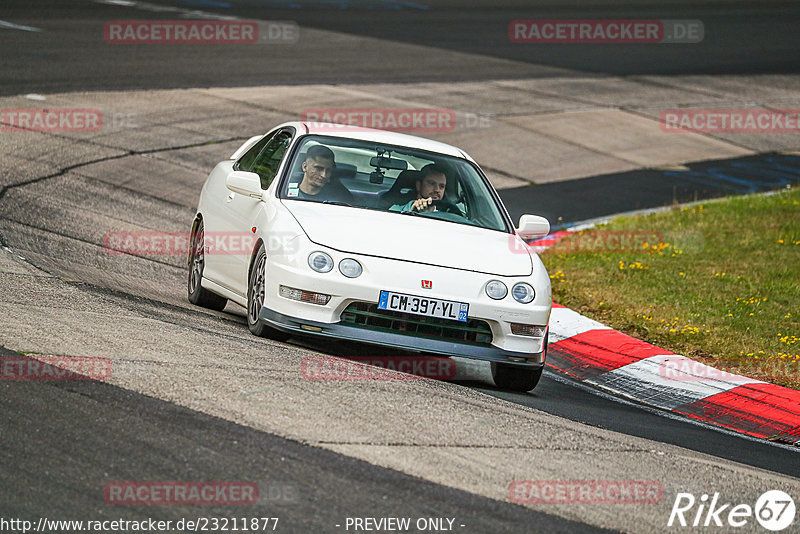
pixel 533 227
pixel 389 163
pixel 245 183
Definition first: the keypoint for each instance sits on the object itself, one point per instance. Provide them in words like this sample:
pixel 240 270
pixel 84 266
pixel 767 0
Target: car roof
pixel 380 136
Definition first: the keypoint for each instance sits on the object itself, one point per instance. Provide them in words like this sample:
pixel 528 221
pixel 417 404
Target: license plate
pixel 446 309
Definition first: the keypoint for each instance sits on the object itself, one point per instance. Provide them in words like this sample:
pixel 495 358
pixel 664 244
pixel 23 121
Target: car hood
pixel 411 238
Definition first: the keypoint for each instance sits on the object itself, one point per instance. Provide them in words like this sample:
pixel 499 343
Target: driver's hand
pixel 422 204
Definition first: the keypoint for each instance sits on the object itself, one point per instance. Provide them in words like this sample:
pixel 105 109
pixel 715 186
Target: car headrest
pixel 402 190
pixel 342 170
pixel 405 180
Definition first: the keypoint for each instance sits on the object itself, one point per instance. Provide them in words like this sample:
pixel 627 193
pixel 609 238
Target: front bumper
pixel 339 330
pixel 450 284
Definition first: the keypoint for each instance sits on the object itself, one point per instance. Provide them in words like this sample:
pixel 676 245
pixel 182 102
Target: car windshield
pixel 376 176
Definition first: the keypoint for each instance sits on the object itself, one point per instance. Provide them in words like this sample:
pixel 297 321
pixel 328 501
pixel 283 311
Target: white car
pixel 335 246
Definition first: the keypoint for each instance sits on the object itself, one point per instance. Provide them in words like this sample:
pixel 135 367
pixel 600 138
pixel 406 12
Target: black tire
pixel 515 378
pixel 197 293
pixel 508 376
pixel 255 299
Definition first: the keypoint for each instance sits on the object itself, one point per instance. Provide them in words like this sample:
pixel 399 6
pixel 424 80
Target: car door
pixel 241 212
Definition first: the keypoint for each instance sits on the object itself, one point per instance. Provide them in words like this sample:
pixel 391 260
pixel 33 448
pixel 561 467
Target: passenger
pixel 430 186
pixel 317 181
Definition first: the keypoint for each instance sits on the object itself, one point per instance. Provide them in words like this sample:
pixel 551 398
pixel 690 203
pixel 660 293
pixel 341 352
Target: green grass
pixel 718 282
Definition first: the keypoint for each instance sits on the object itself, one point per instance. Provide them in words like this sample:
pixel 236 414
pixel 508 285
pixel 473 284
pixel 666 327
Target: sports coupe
pixel 373 236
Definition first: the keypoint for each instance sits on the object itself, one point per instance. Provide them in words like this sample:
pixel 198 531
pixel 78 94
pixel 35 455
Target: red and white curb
pixel 593 353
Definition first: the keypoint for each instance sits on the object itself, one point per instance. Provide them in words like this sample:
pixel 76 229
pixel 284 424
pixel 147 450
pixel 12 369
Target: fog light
pixel 519 329
pixel 303 296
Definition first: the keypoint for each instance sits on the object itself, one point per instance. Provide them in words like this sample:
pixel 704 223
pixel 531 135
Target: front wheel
pixel 515 378
pixel 256 287
pixel 518 378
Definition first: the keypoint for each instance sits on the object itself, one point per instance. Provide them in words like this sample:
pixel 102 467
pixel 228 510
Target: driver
pixel 430 186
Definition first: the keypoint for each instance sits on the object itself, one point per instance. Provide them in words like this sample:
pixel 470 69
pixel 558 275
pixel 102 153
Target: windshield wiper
pixel 337 203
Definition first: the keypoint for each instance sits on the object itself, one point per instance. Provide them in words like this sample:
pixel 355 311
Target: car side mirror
pixel 533 227
pixel 245 183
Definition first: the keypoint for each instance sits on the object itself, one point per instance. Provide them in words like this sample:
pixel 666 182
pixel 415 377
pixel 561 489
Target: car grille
pixel 367 315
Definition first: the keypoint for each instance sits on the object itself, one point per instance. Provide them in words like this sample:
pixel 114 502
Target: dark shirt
pixel 333 191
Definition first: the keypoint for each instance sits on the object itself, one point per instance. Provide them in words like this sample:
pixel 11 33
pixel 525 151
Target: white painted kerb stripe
pixel 565 323
pixel 668 381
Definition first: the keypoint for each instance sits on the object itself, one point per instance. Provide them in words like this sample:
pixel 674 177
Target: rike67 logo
pixel 774 510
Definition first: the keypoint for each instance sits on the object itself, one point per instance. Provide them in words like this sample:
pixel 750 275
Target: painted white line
pixel 12 26
pixel 155 8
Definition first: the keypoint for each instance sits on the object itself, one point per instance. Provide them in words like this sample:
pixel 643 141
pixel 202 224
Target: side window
pixel 269 159
pixel 245 163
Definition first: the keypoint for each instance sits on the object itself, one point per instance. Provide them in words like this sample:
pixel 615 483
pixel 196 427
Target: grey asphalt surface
pixel 740 37
pixel 563 397
pixel 63 441
pixel 134 436
pixel 565 203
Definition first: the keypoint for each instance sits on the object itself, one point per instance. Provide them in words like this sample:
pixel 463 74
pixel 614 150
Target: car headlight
pixel 320 262
pixel 496 289
pixel 350 268
pixel 523 292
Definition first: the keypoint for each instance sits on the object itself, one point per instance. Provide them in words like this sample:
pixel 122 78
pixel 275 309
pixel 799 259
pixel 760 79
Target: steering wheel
pixel 445 205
